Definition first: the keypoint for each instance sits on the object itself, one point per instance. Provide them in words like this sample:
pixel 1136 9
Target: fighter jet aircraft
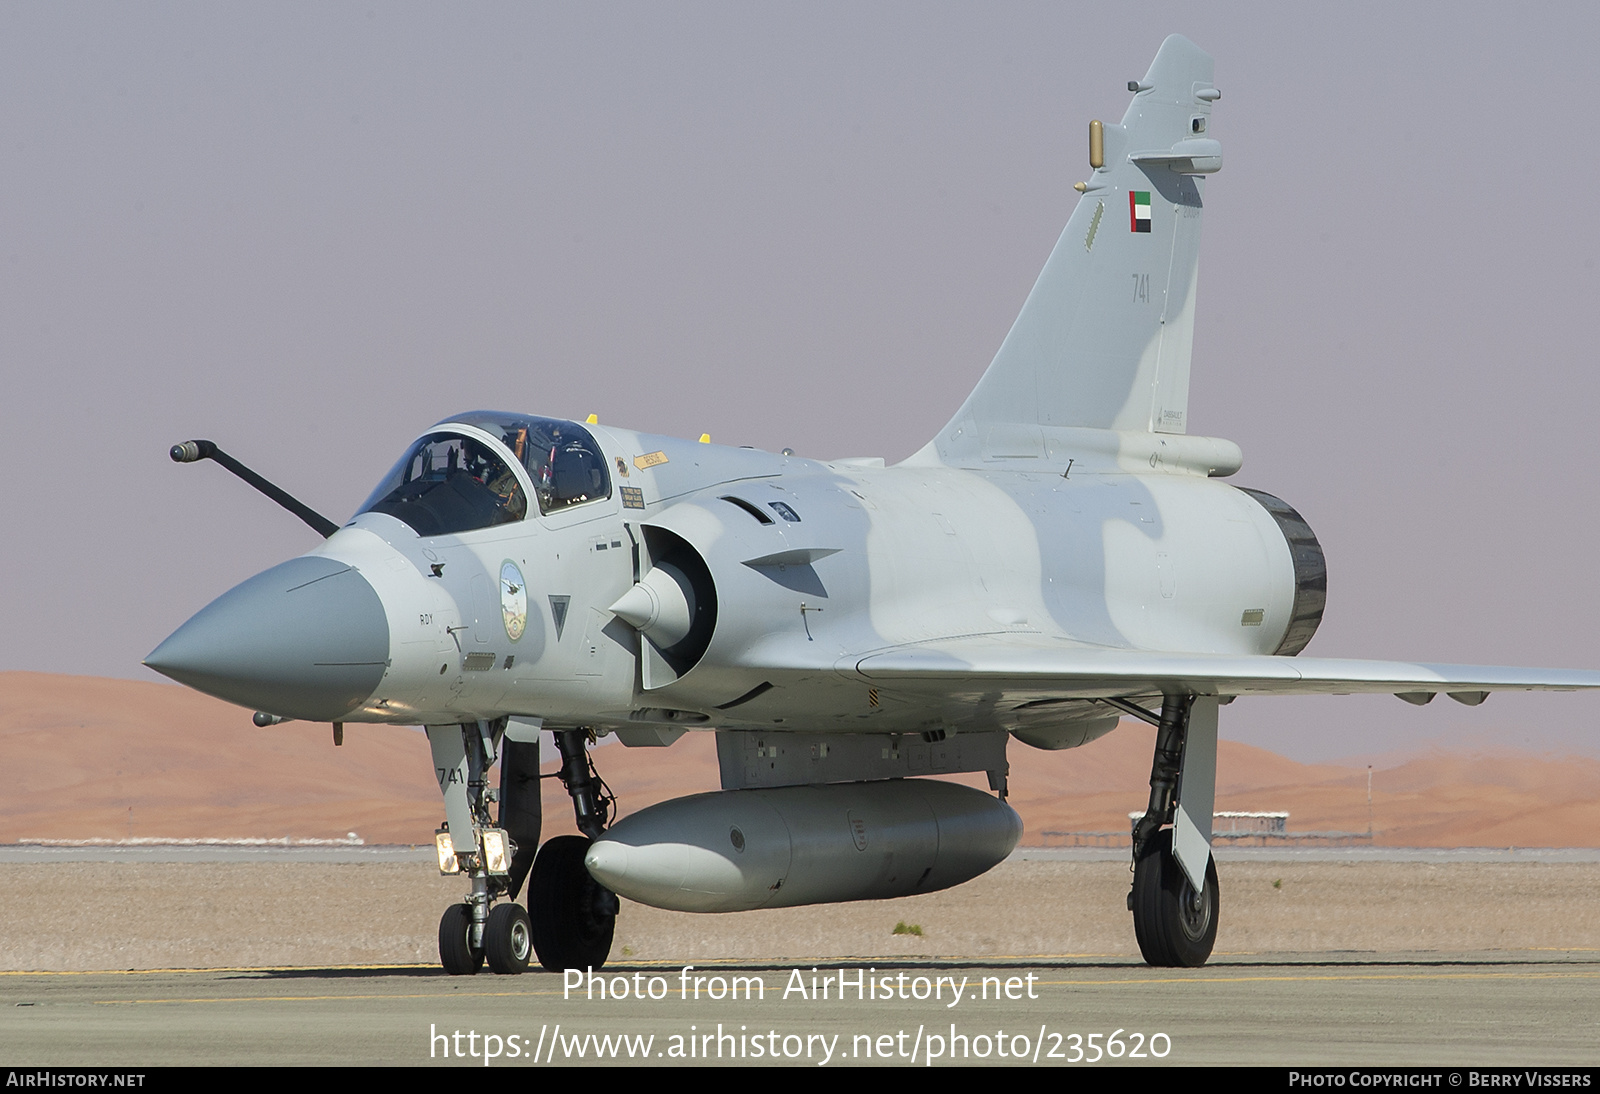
pixel 1060 555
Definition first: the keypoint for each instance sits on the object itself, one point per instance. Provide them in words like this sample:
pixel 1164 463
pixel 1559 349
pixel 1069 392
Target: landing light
pixel 496 852
pixel 447 852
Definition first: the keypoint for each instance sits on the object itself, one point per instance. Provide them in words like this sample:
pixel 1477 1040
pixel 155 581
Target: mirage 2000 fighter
pixel 1060 555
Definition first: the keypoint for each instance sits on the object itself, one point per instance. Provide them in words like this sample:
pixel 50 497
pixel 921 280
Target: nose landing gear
pixel 495 859
pixel 571 917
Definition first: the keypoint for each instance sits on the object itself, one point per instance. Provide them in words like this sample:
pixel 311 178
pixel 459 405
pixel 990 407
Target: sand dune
pixel 87 757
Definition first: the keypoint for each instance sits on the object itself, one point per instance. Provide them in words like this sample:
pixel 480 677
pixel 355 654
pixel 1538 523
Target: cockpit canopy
pixel 452 482
pixel 562 459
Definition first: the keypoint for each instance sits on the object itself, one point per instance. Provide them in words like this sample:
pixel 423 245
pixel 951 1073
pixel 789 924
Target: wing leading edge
pixel 984 666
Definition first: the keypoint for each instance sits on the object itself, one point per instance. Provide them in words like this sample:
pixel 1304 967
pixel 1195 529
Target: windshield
pixel 449 483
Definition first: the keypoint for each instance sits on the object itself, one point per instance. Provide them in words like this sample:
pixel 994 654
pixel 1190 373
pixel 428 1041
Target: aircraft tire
pixel 574 916
pixel 1174 930
pixel 455 942
pixel 508 939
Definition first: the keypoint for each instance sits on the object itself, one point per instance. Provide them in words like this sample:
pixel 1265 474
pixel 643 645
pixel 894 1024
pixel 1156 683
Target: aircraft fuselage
pixel 859 558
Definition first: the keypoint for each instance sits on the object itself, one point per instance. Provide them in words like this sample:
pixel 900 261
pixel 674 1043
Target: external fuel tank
pixel 733 850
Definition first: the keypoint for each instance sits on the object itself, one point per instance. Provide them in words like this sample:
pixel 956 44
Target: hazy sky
pixel 307 231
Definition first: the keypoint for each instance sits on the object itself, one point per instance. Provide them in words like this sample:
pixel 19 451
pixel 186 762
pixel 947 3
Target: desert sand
pixel 230 915
pixel 96 758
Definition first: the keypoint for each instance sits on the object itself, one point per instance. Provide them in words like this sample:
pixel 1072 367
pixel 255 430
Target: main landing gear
pixel 1176 924
pixel 574 916
pixel 570 917
pixel 1174 900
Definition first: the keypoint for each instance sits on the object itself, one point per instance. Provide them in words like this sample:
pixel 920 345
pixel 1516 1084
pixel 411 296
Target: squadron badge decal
pixel 513 600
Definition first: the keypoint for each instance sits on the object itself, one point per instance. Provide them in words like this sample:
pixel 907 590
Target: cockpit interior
pixel 451 481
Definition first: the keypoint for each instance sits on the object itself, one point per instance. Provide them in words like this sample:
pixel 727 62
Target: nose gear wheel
pixel 455 942
pixel 508 939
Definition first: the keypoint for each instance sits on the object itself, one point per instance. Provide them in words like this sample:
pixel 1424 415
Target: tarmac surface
pixel 171 956
pixel 1299 1009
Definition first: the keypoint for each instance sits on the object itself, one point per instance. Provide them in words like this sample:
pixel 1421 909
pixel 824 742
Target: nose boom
pixel 306 639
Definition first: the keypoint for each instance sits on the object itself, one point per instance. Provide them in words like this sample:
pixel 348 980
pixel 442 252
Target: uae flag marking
pixel 1139 210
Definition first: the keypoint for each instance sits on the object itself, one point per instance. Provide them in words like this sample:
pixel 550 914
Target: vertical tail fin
pixel 1104 338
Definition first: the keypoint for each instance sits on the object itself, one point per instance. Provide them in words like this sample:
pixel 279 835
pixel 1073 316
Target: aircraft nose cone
pixel 307 639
